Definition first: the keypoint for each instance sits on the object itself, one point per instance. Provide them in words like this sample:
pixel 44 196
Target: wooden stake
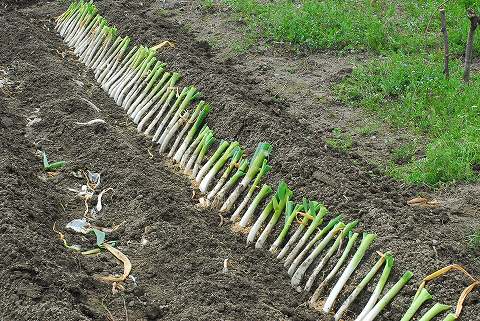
pixel 445 41
pixel 468 52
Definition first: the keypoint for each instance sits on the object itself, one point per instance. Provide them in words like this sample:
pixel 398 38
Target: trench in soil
pixel 179 270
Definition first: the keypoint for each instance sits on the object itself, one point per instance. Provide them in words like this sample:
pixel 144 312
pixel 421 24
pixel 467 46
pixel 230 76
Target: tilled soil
pixel 178 251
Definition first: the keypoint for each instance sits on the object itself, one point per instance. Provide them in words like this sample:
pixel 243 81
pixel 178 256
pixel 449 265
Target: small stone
pixel 6 122
pixel 317 175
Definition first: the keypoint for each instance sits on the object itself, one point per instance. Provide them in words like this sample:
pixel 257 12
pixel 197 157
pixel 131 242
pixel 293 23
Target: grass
pixel 474 240
pixel 355 24
pixel 340 141
pixel 404 84
pixel 411 91
pixel 404 154
pixel 207 4
pixel 369 129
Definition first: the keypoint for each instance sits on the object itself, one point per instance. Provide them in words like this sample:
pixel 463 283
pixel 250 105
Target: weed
pixel 411 91
pixel 207 4
pixel 369 129
pixel 241 46
pixel 404 154
pixel 474 240
pixel 340 141
pixel 162 12
pixel 355 24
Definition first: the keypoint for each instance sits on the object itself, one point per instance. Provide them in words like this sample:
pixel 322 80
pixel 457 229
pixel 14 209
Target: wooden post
pixel 468 52
pixel 445 42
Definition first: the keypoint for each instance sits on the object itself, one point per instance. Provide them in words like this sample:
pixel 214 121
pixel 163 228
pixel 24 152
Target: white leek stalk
pixel 359 288
pixel 389 296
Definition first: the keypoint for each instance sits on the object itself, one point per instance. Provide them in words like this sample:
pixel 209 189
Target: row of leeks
pixel 306 245
pixel 175 120
pixel 304 242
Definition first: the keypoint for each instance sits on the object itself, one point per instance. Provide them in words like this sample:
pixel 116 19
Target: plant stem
pixel 445 42
pixel 416 304
pixel 472 16
pixel 434 311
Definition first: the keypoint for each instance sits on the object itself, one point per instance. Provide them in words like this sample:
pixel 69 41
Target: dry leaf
pixel 423 202
pixel 127 265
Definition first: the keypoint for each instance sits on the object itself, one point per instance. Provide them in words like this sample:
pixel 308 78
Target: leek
pixel 276 204
pixel 333 249
pixel 263 171
pixel 193 146
pixel 106 54
pixel 74 39
pixel 169 92
pixel 292 239
pixel 290 216
pixel 207 138
pixel 124 75
pixel 116 74
pixel 291 213
pixel 223 148
pixel 166 95
pixel 131 69
pixel 320 235
pixel 450 317
pixel 302 269
pixel 231 182
pixel 234 161
pixel 131 81
pixel 141 89
pixel 317 211
pixel 378 289
pixel 218 163
pixel 262 194
pixel 182 119
pixel 154 94
pixel 189 123
pixel 367 240
pixel 279 204
pixel 155 97
pixel 434 311
pixel 197 123
pixel 118 57
pixel 64 17
pixel 418 301
pixel 352 238
pixel 84 50
pixel 50 167
pixel 207 143
pixel 359 288
pixel 388 297
pixel 261 153
pixel 167 117
pixel 192 94
pixel 102 42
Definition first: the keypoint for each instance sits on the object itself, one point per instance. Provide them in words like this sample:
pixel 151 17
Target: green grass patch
pixel 404 154
pixel 411 91
pixel 356 24
pixel 404 84
pixel 207 4
pixel 474 240
pixel 369 129
pixel 340 141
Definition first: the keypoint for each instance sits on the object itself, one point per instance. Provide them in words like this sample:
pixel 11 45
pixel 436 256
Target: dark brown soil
pixel 179 270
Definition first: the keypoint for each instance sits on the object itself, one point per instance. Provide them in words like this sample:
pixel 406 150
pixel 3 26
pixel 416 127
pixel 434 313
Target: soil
pixel 177 250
